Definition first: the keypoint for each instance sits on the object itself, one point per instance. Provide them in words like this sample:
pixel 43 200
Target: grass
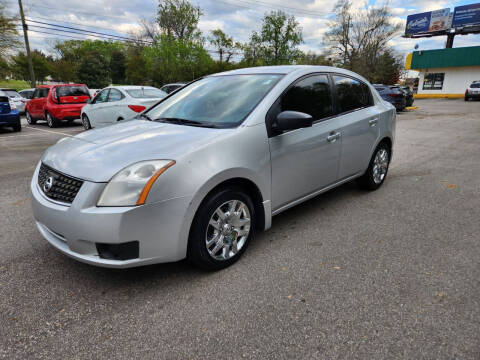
pixel 15 84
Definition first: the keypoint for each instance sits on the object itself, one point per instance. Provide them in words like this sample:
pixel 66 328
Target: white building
pixel 445 72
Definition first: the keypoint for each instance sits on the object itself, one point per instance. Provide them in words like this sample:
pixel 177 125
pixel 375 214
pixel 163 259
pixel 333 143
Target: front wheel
pixel 85 122
pixel 222 229
pixel 377 169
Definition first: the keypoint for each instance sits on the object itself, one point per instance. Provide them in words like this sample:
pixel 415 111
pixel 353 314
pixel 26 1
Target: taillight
pixel 466 92
pixel 137 108
pixel 12 104
pixel 393 95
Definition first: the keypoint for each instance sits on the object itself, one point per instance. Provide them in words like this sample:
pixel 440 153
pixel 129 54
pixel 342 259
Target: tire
pixel 373 178
pixel 30 119
pixel 86 122
pixel 17 127
pixel 51 121
pixel 226 245
pixel 466 98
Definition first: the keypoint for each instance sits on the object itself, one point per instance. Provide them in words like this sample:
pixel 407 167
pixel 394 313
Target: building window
pixel 433 81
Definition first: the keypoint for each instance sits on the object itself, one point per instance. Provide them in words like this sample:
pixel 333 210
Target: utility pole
pixel 27 46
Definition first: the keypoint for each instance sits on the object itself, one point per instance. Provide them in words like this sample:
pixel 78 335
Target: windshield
pixel 72 91
pixel 11 93
pixel 146 93
pixel 221 101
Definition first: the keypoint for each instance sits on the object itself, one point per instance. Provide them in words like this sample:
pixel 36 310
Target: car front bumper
pixel 76 228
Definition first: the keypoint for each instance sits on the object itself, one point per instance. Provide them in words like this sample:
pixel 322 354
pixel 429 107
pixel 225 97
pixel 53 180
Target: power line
pixel 82 30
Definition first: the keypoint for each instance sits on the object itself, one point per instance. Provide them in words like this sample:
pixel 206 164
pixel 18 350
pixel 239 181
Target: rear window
pixel 72 91
pixel 27 94
pixel 11 93
pixel 146 93
pixel 475 85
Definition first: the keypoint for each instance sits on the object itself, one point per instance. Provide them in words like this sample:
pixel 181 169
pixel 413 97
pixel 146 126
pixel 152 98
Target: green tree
pixel 310 58
pixel 388 69
pixel 136 71
pixel 117 66
pixel 94 70
pixel 41 65
pixel 224 44
pixel 277 43
pixel 8 31
pixel 179 18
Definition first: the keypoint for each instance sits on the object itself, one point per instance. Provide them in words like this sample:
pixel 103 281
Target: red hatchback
pixel 56 103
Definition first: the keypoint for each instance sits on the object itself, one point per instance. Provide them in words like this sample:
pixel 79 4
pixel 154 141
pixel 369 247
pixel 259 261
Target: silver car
pixel 208 166
pixel 17 99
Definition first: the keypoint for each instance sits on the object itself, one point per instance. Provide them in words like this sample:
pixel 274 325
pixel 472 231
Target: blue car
pixel 9 115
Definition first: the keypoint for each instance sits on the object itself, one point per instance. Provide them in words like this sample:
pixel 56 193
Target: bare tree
pixel 179 18
pixel 358 38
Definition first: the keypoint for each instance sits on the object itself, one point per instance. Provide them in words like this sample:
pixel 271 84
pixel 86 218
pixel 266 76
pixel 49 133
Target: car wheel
pixel 51 121
pixel 466 98
pixel 377 169
pixel 30 120
pixel 17 127
pixel 221 230
pixel 86 122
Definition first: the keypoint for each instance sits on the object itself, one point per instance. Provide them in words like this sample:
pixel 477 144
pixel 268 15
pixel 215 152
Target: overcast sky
pixel 236 17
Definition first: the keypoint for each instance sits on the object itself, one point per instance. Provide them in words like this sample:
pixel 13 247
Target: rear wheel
pixel 466 98
pixel 51 121
pixel 222 229
pixel 86 122
pixel 17 127
pixel 30 120
pixel 377 169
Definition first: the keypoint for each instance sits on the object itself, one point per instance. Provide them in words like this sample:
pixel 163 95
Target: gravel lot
pixel 383 275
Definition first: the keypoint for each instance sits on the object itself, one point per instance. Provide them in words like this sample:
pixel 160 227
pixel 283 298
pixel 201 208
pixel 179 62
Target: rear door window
pixel 40 93
pixel 351 94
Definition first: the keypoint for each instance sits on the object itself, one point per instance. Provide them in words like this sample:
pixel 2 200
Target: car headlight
pixel 130 186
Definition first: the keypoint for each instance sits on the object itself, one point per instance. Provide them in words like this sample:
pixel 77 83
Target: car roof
pixel 131 87
pixel 27 90
pixel 57 85
pixel 176 84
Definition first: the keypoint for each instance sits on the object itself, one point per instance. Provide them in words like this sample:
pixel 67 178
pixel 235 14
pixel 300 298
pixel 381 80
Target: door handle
pixel 334 136
pixel 373 122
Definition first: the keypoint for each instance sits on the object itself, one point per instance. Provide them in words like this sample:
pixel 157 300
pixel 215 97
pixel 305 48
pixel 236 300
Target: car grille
pixel 58 186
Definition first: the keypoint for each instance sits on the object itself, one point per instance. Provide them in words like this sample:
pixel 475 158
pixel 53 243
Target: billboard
pixel 427 22
pixel 466 15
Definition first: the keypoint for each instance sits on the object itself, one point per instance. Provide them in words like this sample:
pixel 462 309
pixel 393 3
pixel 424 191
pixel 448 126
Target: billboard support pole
pixel 450 38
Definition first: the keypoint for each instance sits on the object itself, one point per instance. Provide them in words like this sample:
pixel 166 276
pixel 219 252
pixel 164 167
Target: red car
pixel 56 103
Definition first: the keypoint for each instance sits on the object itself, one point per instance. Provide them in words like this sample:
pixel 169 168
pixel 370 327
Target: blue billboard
pixel 466 15
pixel 418 23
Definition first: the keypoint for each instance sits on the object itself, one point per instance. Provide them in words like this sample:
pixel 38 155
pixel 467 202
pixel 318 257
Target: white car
pixel 473 91
pixel 118 103
pixel 17 99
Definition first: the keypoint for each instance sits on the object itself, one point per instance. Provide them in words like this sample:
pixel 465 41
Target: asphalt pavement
pixel 391 274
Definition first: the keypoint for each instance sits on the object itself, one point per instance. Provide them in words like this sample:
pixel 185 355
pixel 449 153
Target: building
pixel 445 72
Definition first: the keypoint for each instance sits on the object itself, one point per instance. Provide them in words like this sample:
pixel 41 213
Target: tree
pixel 94 70
pixel 278 41
pixel 310 58
pixel 224 44
pixel 117 67
pixel 179 18
pixel 388 69
pixel 41 65
pixel 357 39
pixel 8 31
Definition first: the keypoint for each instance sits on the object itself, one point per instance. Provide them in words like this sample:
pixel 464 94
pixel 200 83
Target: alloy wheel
pixel 380 165
pixel 228 230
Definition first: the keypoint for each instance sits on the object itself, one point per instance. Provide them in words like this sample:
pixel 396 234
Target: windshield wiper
pixel 186 122
pixel 144 116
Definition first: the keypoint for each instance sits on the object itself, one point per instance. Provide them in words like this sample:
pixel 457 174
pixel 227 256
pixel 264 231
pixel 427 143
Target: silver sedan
pixel 207 167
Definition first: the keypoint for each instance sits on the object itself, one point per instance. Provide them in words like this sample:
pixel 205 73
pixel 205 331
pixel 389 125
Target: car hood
pixel 97 155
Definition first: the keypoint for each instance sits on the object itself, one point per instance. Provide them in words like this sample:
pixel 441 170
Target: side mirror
pixel 292 120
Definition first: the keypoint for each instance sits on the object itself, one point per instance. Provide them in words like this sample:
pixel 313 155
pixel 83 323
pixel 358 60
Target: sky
pixel 238 18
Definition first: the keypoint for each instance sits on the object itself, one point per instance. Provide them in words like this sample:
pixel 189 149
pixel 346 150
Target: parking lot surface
pixel 388 274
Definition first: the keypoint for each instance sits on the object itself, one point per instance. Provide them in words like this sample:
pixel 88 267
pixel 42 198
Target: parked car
pixel 392 94
pixel 210 165
pixel 473 91
pixel 93 92
pixel 56 103
pixel 27 93
pixel 172 87
pixel 117 103
pixel 17 99
pixel 408 95
pixel 9 115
